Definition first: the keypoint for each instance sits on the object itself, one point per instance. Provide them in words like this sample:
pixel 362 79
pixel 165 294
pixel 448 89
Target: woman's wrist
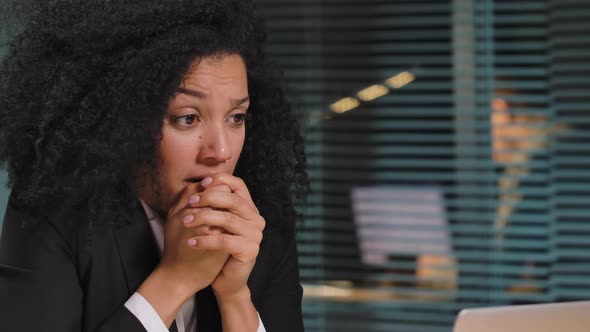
pixel 235 298
pixel 237 311
pixel 165 293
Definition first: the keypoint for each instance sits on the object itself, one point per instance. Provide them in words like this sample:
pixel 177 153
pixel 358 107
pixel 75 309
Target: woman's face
pixel 203 129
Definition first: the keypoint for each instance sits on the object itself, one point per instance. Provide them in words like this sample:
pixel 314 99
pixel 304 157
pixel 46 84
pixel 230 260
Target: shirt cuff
pixel 260 325
pixel 146 314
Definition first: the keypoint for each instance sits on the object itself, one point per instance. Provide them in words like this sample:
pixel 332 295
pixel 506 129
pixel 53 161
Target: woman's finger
pixel 204 230
pixel 231 202
pixel 239 247
pixel 236 185
pixel 187 197
pixel 230 222
pixel 184 199
pixel 234 204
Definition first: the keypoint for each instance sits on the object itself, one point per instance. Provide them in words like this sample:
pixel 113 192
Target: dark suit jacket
pixel 63 276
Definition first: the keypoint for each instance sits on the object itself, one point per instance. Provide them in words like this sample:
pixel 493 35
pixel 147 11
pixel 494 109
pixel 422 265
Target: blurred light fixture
pixel 326 291
pixel 344 105
pixel 401 79
pixel 373 92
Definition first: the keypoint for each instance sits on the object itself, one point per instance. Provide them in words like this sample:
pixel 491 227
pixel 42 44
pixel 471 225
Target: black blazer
pixel 67 276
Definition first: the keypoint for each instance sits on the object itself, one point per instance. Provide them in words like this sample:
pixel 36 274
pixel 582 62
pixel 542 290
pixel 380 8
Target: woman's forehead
pixel 214 75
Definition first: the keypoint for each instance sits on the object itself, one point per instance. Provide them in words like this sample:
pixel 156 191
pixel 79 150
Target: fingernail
pixel 191 242
pixel 194 199
pixel 206 181
pixel 188 218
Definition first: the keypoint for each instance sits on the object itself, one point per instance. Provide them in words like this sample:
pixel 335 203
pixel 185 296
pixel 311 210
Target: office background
pixel 448 150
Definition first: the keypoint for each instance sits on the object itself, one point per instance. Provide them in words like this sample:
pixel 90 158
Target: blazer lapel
pixel 208 316
pixel 139 257
pixel 173 327
pixel 137 248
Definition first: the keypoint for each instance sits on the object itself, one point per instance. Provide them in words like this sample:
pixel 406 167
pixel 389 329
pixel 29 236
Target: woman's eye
pixel 239 118
pixel 187 120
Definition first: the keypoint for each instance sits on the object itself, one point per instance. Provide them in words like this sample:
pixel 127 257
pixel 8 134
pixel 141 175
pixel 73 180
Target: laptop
pixel 552 317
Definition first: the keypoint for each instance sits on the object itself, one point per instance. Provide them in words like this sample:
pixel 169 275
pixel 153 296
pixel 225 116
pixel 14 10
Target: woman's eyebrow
pixel 201 95
pixel 193 93
pixel 238 102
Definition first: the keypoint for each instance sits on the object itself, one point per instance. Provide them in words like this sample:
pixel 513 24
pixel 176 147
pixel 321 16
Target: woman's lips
pixel 192 180
pixel 197 179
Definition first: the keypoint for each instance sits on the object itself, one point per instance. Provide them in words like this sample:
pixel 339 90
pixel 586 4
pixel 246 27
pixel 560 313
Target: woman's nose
pixel 214 146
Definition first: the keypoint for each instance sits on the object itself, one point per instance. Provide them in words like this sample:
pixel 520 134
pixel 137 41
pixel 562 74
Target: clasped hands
pixel 212 236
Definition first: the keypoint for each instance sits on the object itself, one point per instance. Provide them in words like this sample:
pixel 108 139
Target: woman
pixel 152 157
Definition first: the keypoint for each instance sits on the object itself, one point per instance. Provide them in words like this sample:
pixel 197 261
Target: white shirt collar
pixel 186 312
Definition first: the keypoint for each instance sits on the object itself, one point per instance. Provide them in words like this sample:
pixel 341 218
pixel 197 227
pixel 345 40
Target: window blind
pixel 446 144
pixel 569 65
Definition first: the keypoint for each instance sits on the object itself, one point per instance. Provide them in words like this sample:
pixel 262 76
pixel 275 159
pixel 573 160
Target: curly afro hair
pixel 85 85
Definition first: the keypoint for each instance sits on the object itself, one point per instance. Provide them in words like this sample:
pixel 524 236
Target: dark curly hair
pixel 85 86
